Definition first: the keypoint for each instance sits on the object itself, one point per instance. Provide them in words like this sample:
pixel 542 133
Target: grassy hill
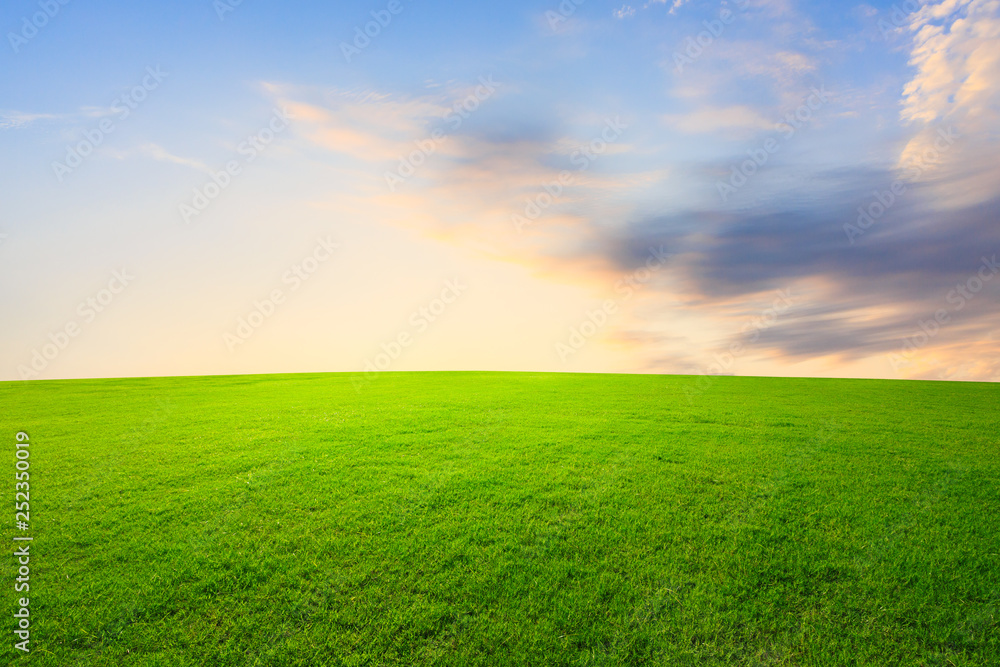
pixel 508 519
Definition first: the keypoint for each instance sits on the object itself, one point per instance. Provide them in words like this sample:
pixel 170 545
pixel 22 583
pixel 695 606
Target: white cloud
pixel 157 152
pixel 674 4
pixel 956 83
pixel 13 120
pixel 625 12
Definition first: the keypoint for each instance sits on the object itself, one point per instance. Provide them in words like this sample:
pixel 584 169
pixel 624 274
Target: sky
pixel 748 187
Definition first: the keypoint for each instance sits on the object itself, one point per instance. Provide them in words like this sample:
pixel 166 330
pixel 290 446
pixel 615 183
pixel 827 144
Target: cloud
pixel 865 10
pixel 626 11
pixel 956 57
pixel 855 303
pixel 738 118
pixel 14 120
pixel 769 71
pixel 674 4
pixel 367 125
pixel 157 152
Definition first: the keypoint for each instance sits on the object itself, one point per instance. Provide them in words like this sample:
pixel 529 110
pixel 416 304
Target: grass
pixel 508 519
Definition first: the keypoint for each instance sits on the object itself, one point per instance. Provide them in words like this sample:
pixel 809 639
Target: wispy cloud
pixel 158 152
pixel 738 118
pixel 674 4
pixel 624 12
pixel 14 120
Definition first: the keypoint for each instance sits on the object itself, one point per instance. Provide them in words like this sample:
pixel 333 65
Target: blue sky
pixel 772 187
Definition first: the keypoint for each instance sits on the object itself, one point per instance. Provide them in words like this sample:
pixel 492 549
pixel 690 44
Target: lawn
pixel 507 519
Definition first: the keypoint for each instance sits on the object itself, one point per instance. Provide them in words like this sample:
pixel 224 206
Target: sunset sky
pixel 761 187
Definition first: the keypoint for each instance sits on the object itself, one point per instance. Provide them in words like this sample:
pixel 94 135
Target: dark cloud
pixel 904 266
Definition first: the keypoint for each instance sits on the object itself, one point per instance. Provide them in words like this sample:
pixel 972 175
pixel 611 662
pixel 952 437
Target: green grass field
pixel 507 519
